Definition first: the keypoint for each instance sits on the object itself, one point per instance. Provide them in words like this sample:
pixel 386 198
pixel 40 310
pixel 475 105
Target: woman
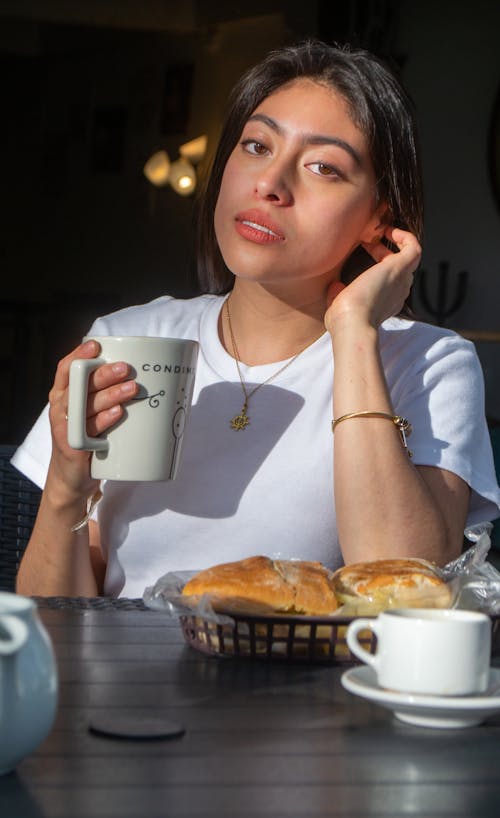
pixel 315 184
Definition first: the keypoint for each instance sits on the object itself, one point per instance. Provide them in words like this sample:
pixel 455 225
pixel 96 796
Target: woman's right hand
pixel 380 291
pixel 109 388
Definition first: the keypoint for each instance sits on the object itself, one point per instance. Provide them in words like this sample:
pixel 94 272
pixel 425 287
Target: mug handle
pixel 353 642
pixel 16 631
pixel 78 438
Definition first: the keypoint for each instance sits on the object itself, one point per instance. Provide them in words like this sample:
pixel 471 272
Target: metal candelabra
pixel 442 309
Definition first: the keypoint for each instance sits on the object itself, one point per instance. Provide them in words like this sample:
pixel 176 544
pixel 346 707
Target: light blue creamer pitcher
pixel 28 680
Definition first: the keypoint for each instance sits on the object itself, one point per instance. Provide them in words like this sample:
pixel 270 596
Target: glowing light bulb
pixel 157 168
pixel 182 177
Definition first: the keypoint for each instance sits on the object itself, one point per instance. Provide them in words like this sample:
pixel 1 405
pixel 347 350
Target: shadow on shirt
pixel 217 463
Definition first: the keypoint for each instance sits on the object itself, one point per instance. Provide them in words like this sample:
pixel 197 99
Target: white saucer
pixel 426 711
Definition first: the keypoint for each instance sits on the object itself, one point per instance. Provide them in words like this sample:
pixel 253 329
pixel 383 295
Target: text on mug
pixel 176 369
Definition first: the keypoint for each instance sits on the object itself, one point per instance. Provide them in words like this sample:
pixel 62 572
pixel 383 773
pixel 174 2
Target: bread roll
pixel 261 585
pixel 381 584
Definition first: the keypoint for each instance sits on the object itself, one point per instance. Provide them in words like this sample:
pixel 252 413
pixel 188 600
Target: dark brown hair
pixel 379 107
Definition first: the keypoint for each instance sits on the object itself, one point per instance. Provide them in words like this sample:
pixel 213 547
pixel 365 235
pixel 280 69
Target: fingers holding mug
pixel 109 387
pixel 58 395
pixel 105 403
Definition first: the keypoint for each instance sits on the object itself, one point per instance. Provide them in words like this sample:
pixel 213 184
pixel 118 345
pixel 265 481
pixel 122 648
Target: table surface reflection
pixel 261 738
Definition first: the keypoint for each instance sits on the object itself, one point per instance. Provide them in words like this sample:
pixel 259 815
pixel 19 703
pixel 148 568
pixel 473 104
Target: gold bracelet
pixel 91 504
pixel 403 425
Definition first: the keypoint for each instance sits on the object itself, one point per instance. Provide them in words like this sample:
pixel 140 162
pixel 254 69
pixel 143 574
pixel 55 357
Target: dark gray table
pixel 262 739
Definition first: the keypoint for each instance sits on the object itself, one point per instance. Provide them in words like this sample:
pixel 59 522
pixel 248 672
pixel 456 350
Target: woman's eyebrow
pixel 309 139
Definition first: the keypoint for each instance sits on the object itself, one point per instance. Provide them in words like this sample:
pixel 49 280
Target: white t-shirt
pixel 268 489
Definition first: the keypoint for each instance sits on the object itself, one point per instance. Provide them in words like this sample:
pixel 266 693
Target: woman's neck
pixel 269 326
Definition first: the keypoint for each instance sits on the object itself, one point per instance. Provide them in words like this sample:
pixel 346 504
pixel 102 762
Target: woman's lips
pixel 254 226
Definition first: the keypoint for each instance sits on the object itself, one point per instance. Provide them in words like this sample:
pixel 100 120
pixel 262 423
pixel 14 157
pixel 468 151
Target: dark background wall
pixel 91 88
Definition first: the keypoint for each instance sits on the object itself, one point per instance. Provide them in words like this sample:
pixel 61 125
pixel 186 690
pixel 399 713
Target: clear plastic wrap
pixel 166 595
pixel 476 582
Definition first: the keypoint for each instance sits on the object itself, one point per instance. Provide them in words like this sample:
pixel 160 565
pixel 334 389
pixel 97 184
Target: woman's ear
pixel 376 226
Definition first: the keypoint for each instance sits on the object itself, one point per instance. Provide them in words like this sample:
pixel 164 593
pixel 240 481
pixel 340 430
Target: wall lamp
pixel 181 174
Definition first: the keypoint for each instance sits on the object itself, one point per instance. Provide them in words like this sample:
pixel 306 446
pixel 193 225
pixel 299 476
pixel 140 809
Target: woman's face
pixel 298 190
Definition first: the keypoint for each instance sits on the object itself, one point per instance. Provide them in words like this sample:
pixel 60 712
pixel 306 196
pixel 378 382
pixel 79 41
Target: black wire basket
pixel 312 639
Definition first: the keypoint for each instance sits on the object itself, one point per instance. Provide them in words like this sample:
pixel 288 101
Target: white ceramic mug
pixel 28 680
pixel 427 651
pixel 146 443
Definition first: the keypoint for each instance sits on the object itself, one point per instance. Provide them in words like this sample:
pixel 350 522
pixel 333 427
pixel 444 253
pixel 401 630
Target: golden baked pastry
pixel 381 584
pixel 261 585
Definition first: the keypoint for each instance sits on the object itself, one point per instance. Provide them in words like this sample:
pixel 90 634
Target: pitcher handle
pixel 16 632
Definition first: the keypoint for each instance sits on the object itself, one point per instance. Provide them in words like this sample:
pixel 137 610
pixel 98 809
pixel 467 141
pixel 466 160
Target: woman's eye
pixel 256 148
pixel 321 169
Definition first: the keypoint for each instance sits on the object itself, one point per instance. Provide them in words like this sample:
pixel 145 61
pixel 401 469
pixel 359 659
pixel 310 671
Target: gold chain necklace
pixel 241 421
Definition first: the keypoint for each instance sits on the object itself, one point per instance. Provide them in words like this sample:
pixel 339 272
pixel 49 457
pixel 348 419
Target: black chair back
pixel 19 501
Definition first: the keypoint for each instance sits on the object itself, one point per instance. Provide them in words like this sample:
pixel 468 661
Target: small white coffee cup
pixel 146 443
pixel 427 651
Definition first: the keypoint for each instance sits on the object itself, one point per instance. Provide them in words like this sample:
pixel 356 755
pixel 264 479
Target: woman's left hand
pixel 381 290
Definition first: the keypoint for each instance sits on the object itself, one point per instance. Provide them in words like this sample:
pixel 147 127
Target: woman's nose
pixel 274 184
